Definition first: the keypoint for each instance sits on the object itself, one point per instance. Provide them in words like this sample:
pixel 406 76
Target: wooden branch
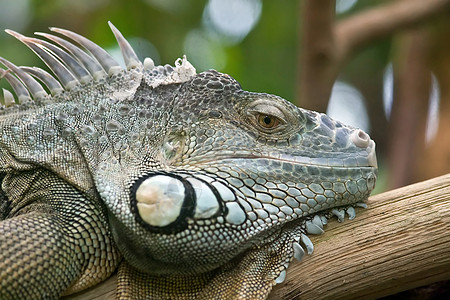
pixel 402 241
pixel 399 243
pixel 326 45
pixel 412 85
pixel 379 22
pixel 317 55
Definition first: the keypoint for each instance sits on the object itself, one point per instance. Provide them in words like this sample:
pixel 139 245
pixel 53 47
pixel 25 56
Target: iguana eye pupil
pixel 267 121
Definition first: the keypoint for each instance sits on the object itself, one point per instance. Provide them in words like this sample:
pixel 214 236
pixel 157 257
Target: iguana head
pixel 236 167
pixel 193 170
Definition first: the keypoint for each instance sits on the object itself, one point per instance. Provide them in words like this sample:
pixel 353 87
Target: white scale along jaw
pixel 193 170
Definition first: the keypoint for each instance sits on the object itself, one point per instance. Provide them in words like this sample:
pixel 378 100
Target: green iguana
pixel 188 185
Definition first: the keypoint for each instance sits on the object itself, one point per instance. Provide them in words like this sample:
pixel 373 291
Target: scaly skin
pixel 205 190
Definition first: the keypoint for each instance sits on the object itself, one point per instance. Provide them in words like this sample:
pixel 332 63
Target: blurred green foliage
pixel 264 61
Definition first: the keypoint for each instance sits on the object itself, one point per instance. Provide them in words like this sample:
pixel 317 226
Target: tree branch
pixel 399 243
pixel 379 22
pixel 317 55
pixel 326 45
pixel 412 84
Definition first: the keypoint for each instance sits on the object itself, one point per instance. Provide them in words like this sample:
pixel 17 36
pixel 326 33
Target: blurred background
pixel 371 64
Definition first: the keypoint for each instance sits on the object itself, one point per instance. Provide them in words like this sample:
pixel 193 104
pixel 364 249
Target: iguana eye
pixel 267 117
pixel 268 121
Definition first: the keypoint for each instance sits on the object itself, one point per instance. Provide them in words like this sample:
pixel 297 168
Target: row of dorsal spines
pixel 74 66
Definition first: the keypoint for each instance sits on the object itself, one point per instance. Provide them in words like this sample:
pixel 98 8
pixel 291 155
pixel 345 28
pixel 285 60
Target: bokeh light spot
pixel 202 52
pixel 231 20
pixel 343 6
pixel 347 105
pixel 15 14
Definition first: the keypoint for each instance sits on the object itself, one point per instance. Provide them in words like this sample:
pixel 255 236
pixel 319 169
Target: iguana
pixel 190 186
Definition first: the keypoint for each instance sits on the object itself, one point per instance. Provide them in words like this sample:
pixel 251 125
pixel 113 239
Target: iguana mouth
pixel 291 239
pixel 364 160
pixel 370 160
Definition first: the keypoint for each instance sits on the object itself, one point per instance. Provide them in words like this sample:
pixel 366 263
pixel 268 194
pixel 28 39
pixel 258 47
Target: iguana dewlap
pixel 192 187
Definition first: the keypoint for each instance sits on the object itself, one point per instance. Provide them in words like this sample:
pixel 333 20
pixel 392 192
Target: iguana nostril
pixel 360 138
